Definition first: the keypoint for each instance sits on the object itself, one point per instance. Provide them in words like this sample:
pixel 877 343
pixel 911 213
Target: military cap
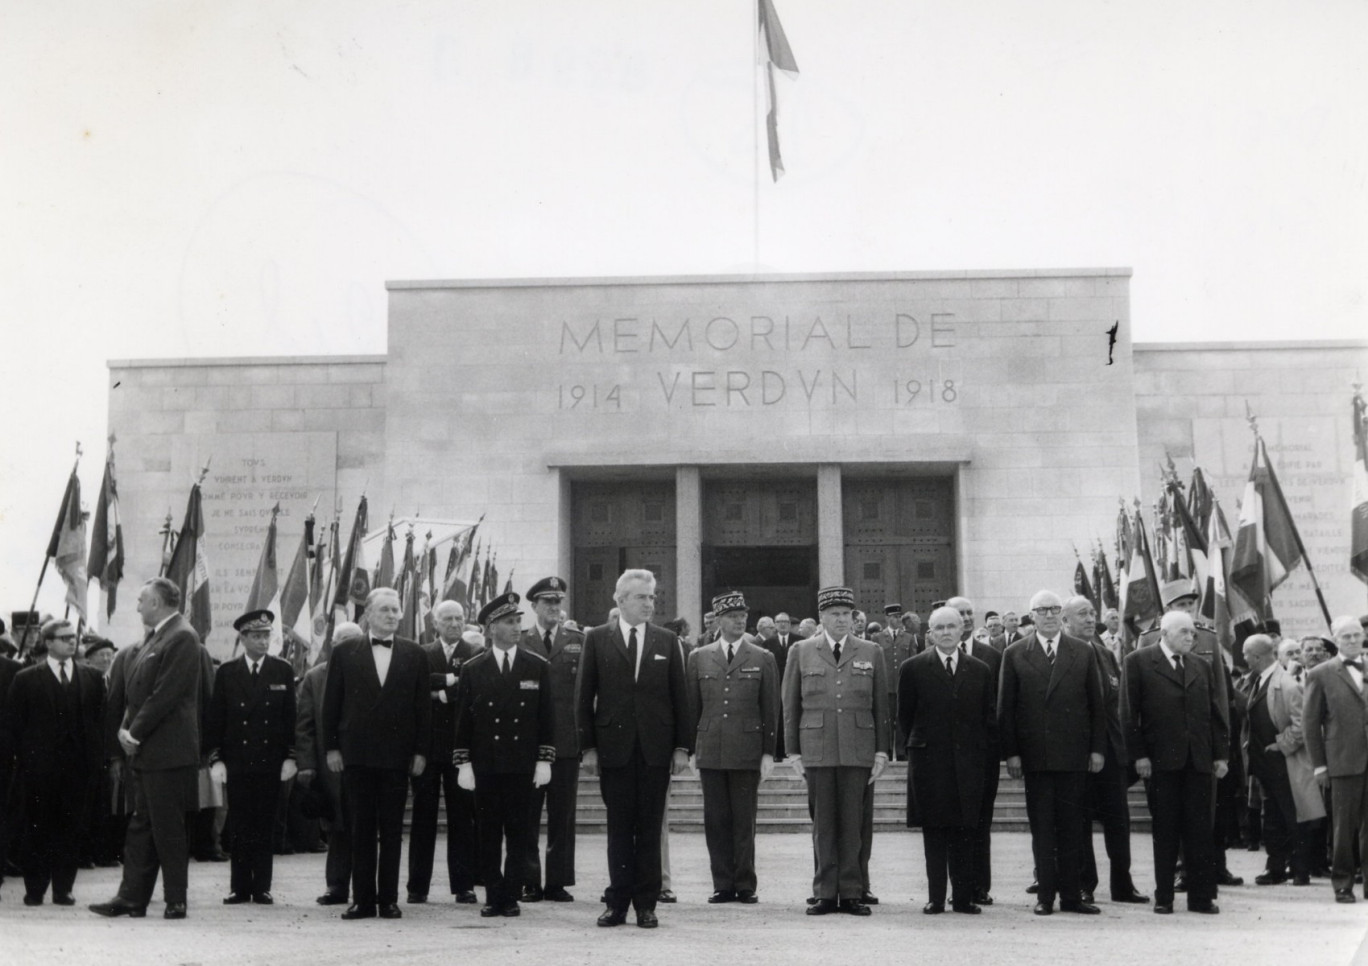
pixel 54 627
pixel 501 606
pixel 254 620
pixel 1273 626
pixel 95 643
pixel 551 587
pixel 829 597
pixel 1176 590
pixel 726 603
pixel 892 610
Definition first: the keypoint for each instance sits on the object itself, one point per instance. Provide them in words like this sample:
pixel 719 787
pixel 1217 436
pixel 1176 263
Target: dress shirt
pixel 1168 653
pixel 953 656
pixel 1050 645
pixel 382 657
pixel 1354 673
pixel 505 658
pixel 57 666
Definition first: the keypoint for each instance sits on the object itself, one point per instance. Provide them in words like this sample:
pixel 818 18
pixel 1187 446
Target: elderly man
pixel 157 705
pixel 1052 721
pixel 249 740
pixel 309 756
pixel 633 718
pixel 376 722
pixel 1111 636
pixel 1334 722
pixel 1177 734
pixel 1278 760
pixel 445 657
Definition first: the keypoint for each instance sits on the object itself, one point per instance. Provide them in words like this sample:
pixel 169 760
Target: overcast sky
pixel 239 178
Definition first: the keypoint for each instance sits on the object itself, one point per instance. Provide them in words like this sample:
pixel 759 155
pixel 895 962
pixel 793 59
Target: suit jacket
pixel 1283 699
pixel 616 713
pixel 951 726
pixel 161 694
pixel 251 723
pixel 1052 716
pixel 8 669
pixel 836 714
pixel 444 707
pixel 34 726
pixel 505 723
pixel 374 726
pixel 782 646
pixel 1335 720
pixel 897 648
pixel 1176 721
pixel 309 752
pixel 733 708
pixel 1111 698
pixel 567 649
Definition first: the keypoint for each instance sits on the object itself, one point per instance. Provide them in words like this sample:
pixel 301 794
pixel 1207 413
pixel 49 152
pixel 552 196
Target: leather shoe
pixel 33 900
pixel 1205 908
pixel 968 908
pixel 933 908
pixel 1180 883
pixel 416 899
pixel 1297 880
pixel 1079 906
pixel 557 894
pixel 983 899
pixel 646 919
pixel 1087 897
pixel 1033 888
pixel 174 910
pixel 467 898
pixel 263 899
pixel 391 910
pixel 1226 879
pixel 236 899
pixel 868 899
pixel 746 897
pixel 1164 908
pixel 1345 895
pixel 359 912
pixel 531 894
pixel 489 912
pixel 1044 909
pixel 613 917
pixel 118 907
pixel 721 896
pixel 667 896
pixel 331 899
pixel 1134 896
pixel 822 907
pixel 812 900
pixel 856 907
pixel 63 899
pixel 510 910
pixel 1270 878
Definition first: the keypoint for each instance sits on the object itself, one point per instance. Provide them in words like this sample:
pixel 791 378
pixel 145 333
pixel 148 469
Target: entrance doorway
pixel 617 527
pixel 899 542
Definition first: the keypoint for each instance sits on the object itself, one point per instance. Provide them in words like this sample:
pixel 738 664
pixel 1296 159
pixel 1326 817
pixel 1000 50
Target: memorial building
pixel 913 435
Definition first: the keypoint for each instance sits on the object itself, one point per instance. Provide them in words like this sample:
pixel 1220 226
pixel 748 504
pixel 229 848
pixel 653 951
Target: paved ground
pixel 1285 925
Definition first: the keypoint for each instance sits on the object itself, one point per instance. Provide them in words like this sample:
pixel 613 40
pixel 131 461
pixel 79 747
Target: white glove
pixel 465 777
pixel 541 775
pixel 218 771
pixel 451 680
pixel 288 769
pixel 766 766
pixel 797 762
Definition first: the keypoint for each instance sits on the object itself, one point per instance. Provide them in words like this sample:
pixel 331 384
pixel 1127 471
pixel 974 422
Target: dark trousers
pixel 436 781
pixel 561 798
pixel 899 739
pixel 503 806
pixel 866 836
pixel 838 816
pixel 634 796
pixel 337 868
pixel 55 809
pixel 730 799
pixel 375 801
pixel 252 801
pixel 1283 837
pixel 1349 820
pixel 1056 807
pixel 950 850
pixel 1109 805
pixel 156 839
pixel 983 834
pixel 1182 814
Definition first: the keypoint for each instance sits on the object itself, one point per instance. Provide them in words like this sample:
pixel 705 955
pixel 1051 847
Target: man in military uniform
pixel 836 729
pixel 733 687
pixel 249 740
pixel 504 746
pixel 898 644
pixel 562 647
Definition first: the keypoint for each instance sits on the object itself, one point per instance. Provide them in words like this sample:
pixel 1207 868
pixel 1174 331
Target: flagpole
pixel 755 139
pixel 33 607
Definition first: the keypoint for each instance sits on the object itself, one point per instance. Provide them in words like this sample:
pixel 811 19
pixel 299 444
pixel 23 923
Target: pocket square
pixel 279 687
pixel 660 657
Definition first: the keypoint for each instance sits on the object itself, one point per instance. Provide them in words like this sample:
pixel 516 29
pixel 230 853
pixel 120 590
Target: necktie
pixel 949 665
pixel 731 653
pixel 65 680
pixel 255 667
pixel 504 662
pixel 1178 663
pixel 632 651
pixel 546 640
pixel 1049 652
pixel 836 651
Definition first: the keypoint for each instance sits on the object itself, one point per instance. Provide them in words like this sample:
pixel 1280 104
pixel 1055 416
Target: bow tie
pixel 376 642
pixel 1355 663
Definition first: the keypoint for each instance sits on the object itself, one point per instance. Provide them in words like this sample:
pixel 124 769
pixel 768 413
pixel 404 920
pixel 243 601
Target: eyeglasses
pixel 62 637
pixel 1048 611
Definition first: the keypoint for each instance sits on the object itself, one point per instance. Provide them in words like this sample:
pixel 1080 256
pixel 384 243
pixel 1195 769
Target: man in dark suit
pixel 983 829
pixel 446 657
pixel 376 729
pixel 1107 790
pixel 504 745
pixel 1334 722
pixel 1052 722
pixel 1178 736
pixel 562 649
pixel 947 707
pixel 249 740
pixel 633 719
pixel 158 705
pixel 53 722
pixel 8 669
pixel 733 689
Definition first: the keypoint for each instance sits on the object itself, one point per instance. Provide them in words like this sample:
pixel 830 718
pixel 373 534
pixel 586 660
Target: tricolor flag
pixel 296 617
pixel 106 539
pixel 353 583
pixel 1267 546
pixel 1358 514
pixel 777 56
pixel 408 591
pixel 1140 600
pixel 1106 590
pixel 454 587
pixel 189 567
pixel 1082 587
pixel 68 545
pixel 1215 601
pixel 384 570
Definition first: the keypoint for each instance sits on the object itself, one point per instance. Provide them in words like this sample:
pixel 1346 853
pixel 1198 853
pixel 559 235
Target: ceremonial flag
pixel 353 582
pixel 265 592
pixel 1081 585
pixel 1106 590
pixel 455 587
pixel 1267 546
pixel 106 539
pixel 473 602
pixel 1216 603
pixel 1140 601
pixel 296 617
pixel 189 567
pixel 67 547
pixel 777 56
pixel 384 570
pixel 489 589
pixel 408 592
pixel 508 584
pixel 1358 514
pixel 323 591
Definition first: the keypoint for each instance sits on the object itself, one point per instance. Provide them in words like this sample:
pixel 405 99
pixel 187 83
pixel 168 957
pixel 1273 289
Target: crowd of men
pixel 135 756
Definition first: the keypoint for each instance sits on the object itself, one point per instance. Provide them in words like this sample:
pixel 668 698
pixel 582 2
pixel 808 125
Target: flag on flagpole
pixel 1082 586
pixel 265 592
pixel 323 591
pixel 1140 601
pixel 296 617
pixel 455 587
pixel 189 567
pixel 1358 513
pixel 1106 590
pixel 384 570
pixel 473 601
pixel 1267 547
pixel 408 591
pixel 106 539
pixel 67 547
pixel 777 56
pixel 1215 604
pixel 353 582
